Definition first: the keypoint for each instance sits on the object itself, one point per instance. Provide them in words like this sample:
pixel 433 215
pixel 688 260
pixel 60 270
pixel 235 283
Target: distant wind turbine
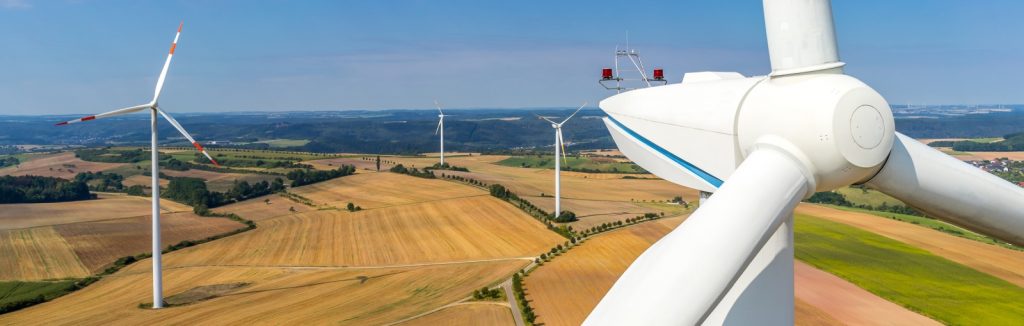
pixel 440 128
pixel 155 160
pixel 560 149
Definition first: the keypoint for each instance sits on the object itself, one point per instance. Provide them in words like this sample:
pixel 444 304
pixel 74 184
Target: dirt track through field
pixel 998 261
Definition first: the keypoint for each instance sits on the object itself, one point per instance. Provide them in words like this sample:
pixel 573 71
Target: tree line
pixel 37 189
pixel 305 176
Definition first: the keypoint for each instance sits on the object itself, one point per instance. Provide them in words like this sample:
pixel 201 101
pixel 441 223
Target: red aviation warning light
pixel 659 74
pixel 606 74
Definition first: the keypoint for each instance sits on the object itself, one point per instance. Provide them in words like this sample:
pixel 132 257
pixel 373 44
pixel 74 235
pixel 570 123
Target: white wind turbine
pixel 154 108
pixel 440 128
pixel 560 148
pixel 762 144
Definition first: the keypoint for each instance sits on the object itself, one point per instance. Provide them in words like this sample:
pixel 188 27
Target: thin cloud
pixel 15 4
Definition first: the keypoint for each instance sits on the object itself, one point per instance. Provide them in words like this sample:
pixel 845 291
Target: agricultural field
pixel 456 229
pixel 382 189
pixel 467 314
pixel 1004 263
pixel 574 163
pixel 284 143
pixel 265 207
pixel 361 165
pixel 16 291
pixel 866 196
pixel 77 239
pixel 565 290
pixel 62 165
pixel 274 295
pixel 907 275
pixel 220 181
pixel 424 245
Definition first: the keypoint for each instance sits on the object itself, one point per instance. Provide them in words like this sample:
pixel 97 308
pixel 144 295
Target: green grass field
pixel 932 224
pixel 16 291
pixel 914 278
pixel 576 163
pixel 868 197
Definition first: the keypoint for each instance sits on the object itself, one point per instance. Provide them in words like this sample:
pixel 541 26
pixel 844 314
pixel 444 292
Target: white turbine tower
pixel 762 144
pixel 560 148
pixel 154 108
pixel 440 128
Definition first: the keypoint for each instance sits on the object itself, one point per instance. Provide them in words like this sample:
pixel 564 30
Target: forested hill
pixel 412 131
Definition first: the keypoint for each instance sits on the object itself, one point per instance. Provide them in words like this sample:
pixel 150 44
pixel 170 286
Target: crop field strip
pixel 275 296
pixel 458 229
pixel 565 290
pixel 468 314
pixel 107 207
pixel 997 261
pixel 907 275
pixel 62 165
pixel 468 242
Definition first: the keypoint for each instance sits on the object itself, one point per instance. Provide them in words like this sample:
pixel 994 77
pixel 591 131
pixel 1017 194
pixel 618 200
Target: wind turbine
pixel 560 148
pixel 440 128
pixel 154 108
pixel 762 144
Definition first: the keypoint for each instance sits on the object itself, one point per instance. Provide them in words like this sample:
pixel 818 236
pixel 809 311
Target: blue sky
pixel 84 56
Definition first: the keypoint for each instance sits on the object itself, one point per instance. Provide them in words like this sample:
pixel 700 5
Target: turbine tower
pixel 560 148
pixel 440 128
pixel 154 108
pixel 762 144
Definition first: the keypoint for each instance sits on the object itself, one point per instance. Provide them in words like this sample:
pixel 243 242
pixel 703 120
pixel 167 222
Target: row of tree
pixel 838 199
pixel 37 189
pixel 305 177
pixel 413 172
pixel 193 192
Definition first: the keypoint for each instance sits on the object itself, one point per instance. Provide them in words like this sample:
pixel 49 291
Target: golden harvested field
pixel 258 209
pixel 565 290
pixel 142 180
pixel 594 212
pixel 361 165
pixel 99 243
pixel 37 254
pixel 460 229
pixel 1016 156
pixel 370 267
pixel 77 239
pixel 276 295
pixel 62 165
pixel 106 207
pixel 1000 262
pixel 467 314
pixel 383 189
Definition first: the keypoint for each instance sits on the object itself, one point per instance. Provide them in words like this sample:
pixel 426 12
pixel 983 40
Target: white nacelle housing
pixel 689 130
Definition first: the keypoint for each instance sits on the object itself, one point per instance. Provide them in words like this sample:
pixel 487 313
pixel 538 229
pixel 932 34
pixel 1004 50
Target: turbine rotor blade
pixel 107 114
pixel 438 105
pixel 545 119
pixel 199 147
pixel 439 122
pixel 948 189
pixel 704 257
pixel 574 113
pixel 167 64
pixel 561 142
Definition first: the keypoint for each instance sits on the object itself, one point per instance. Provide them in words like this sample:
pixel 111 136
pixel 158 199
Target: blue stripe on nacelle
pixel 707 177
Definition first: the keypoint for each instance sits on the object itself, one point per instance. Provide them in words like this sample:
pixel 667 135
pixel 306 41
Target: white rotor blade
pixel 108 114
pixel 439 122
pixel 683 277
pixel 574 113
pixel 167 64
pixel 946 188
pixel 438 105
pixel 545 119
pixel 561 143
pixel 181 129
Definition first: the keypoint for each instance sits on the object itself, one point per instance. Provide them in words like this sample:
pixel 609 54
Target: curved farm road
pixel 997 261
